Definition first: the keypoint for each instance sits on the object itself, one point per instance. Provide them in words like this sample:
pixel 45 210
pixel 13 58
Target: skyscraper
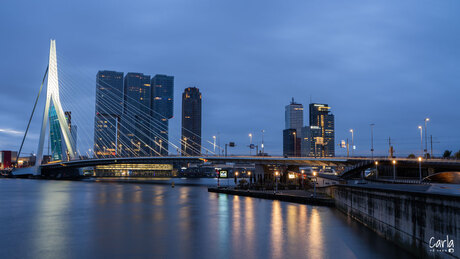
pixel 321 117
pixel 294 116
pixel 162 110
pixel 191 122
pixel 291 143
pixel 109 106
pixel 310 141
pixel 135 119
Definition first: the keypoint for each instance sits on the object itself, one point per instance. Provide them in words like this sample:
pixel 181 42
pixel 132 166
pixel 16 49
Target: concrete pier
pixel 282 196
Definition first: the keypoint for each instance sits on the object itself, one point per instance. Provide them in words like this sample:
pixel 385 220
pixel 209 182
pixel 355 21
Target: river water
pixel 77 219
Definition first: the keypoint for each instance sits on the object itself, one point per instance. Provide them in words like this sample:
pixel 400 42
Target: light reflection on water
pixel 61 219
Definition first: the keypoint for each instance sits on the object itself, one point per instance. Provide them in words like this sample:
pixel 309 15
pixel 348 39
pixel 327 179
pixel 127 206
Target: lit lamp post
pixel 420 168
pixel 236 176
pixel 421 140
pixel 185 147
pixel 161 145
pixel 372 140
pixel 250 143
pixel 214 144
pixel 276 181
pixel 394 170
pixel 295 146
pixel 262 145
pixel 376 169
pixel 426 137
pixel 314 182
pixel 303 172
pixel 250 178
pixel 352 142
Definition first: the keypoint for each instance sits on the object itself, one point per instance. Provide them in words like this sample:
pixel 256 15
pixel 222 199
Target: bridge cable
pixel 31 116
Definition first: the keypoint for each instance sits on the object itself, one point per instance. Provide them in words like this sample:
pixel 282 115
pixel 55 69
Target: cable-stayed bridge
pixel 141 139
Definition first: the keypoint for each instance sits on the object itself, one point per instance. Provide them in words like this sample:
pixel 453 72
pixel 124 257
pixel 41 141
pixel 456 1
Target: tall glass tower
pixel 320 116
pixel 135 119
pixel 109 106
pixel 294 116
pixel 162 110
pixel 191 122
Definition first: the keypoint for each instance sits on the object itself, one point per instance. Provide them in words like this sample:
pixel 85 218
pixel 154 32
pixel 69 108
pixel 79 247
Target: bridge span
pixel 348 167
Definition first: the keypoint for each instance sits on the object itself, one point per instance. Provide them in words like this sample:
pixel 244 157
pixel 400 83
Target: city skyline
pixel 380 75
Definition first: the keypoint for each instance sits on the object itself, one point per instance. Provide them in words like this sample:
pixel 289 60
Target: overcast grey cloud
pixel 391 63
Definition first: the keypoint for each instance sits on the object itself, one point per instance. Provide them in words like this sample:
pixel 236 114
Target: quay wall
pixel 415 221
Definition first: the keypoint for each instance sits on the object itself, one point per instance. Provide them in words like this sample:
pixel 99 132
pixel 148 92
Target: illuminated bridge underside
pixel 134 170
pixel 438 165
pixel 215 160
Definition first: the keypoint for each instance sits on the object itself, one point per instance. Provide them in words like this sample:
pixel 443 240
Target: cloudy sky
pixel 391 63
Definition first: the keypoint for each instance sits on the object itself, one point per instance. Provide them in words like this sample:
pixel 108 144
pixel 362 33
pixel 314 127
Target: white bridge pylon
pixel 52 95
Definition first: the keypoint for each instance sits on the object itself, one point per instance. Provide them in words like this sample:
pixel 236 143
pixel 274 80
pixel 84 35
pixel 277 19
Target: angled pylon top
pixel 52 95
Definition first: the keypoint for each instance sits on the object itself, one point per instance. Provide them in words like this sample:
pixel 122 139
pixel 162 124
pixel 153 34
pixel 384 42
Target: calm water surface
pixel 70 219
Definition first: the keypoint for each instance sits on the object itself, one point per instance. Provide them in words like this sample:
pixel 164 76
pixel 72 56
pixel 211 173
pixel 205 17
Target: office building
pixel 294 116
pixel 191 122
pixel 320 116
pixel 162 110
pixel 109 107
pixel 7 159
pixel 311 141
pixel 135 119
pixel 291 143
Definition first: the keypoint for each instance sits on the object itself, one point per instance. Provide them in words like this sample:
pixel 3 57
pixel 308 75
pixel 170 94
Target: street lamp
pixel 394 170
pixel 250 143
pixel 295 146
pixel 426 137
pixel 372 140
pixel 214 138
pixel 420 168
pixel 421 140
pixel 314 182
pixel 352 142
pixel 161 145
pixel 376 169
pixel 276 181
pixel 185 146
pixel 262 145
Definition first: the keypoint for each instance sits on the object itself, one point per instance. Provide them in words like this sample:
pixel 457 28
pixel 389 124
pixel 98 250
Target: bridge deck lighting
pixel 420 159
pixel 314 173
pixel 394 162
pixel 376 162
